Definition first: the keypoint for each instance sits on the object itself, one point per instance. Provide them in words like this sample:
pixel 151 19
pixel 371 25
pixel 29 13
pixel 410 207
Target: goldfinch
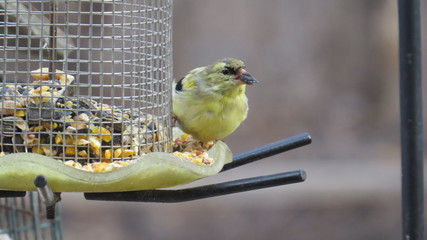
pixel 210 102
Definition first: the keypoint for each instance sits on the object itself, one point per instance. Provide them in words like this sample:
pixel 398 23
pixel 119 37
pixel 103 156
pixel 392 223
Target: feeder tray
pixel 155 170
pixel 149 171
pixel 111 92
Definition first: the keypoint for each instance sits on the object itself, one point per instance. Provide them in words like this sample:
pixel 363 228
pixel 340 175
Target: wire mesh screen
pixel 86 80
pixel 24 218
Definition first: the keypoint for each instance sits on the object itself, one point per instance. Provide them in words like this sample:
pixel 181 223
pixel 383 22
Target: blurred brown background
pixel 327 67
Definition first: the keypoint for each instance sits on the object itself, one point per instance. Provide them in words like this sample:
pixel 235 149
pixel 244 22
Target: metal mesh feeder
pixel 25 218
pixel 88 84
pixel 86 80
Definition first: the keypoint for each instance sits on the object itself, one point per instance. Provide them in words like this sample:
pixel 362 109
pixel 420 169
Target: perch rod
pixel 224 188
pixel 207 191
pixel 268 150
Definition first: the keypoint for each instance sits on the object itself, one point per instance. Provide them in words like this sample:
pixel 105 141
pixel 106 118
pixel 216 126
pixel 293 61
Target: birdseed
pixel 38 117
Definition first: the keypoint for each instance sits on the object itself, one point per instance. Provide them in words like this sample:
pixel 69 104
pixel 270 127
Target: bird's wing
pixel 189 81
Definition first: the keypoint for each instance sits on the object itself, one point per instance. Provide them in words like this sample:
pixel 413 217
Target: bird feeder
pixel 85 102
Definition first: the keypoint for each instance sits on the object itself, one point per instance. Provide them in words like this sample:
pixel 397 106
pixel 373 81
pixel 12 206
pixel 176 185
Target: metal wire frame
pixel 411 120
pixel 23 218
pixel 119 57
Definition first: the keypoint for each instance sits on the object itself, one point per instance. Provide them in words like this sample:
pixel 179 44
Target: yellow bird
pixel 210 102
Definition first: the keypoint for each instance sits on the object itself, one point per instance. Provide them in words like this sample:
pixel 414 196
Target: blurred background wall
pixel 327 67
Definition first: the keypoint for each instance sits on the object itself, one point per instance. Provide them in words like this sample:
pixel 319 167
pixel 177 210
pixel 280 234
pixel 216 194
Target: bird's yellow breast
pixel 210 118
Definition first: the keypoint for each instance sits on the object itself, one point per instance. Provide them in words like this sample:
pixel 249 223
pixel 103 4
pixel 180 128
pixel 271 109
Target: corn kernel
pixel 82 153
pixel 78 125
pixel 128 153
pixel 101 167
pixel 197 160
pixel 20 113
pixel 107 153
pixel 117 152
pixel 58 139
pixel 70 151
pixel 105 133
pixel 50 126
pixel 40 74
pixel 184 137
pixel 123 163
pixel 70 163
pixel 95 150
pixel 36 129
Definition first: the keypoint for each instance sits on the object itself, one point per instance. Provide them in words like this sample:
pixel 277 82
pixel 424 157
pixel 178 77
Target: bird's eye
pixel 228 71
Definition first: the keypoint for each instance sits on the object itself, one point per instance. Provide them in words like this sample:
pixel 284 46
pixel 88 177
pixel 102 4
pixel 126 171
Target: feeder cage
pixel 86 81
pixel 25 218
pixel 88 84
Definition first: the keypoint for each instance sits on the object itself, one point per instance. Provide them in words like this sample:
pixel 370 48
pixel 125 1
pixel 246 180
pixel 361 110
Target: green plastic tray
pixel 150 171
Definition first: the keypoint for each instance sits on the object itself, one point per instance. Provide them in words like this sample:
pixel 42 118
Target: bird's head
pixel 228 76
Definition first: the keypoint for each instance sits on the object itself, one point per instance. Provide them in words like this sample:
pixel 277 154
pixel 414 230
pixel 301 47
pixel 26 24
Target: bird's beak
pixel 246 78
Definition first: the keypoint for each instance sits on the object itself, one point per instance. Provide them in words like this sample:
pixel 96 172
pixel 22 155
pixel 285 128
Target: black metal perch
pixel 206 191
pixel 268 150
pixel 218 189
